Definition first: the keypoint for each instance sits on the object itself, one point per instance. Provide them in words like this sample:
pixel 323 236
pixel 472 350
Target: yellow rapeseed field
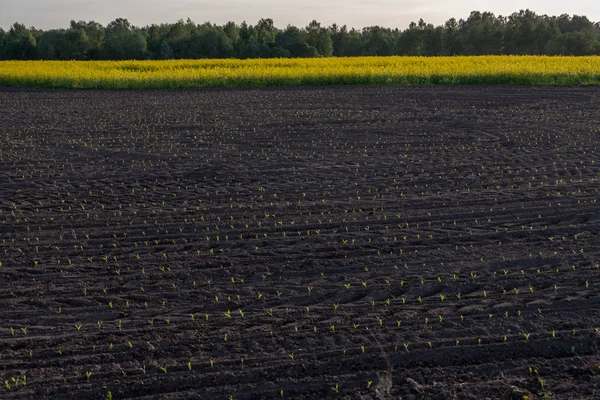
pixel 525 70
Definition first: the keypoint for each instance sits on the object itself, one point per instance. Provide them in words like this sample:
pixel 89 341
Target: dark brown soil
pixel 336 242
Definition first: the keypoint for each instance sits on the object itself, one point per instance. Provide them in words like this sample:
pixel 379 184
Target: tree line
pixel 482 33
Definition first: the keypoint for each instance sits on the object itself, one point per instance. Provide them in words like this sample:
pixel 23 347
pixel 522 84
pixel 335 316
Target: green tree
pixel 279 52
pixel 597 29
pixel 346 43
pixel 123 41
pixel 522 32
pixel 578 37
pixel 421 39
pixel 251 49
pixel 527 33
pixel 574 44
pixel 433 37
pixel 293 40
pixel 2 33
pixel 77 44
pixel 577 23
pixel 18 44
pixel 180 39
pixel 410 42
pixel 166 52
pixel 95 37
pixel 232 31
pixel 155 37
pixel 452 44
pixel 212 42
pixel 319 38
pixel 60 44
pixel 50 45
pixel 265 31
pixel 379 41
pixel 483 33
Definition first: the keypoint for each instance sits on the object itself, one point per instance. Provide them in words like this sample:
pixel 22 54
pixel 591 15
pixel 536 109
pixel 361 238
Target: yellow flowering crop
pixel 525 70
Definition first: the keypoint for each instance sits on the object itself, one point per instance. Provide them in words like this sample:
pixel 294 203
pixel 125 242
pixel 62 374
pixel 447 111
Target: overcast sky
pixel 47 14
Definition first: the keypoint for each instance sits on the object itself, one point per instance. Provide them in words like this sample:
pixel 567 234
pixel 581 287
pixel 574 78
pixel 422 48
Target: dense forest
pixel 523 32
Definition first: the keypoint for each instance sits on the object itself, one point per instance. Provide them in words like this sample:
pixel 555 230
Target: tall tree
pixel 18 44
pixel 378 41
pixel 523 32
pixel 165 52
pixel 319 38
pixel 265 31
pixel 574 44
pixel 527 33
pixel 78 44
pixel 123 41
pixel 421 39
pixel 2 33
pixel 155 37
pixel 347 43
pixel 452 44
pixel 292 40
pixel 232 31
pixel 519 33
pixel 251 49
pixel 433 39
pixel 212 42
pixel 95 37
pixel 50 45
pixel 179 37
pixel 483 33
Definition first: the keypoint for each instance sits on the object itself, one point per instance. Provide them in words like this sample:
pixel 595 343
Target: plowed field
pixel 310 243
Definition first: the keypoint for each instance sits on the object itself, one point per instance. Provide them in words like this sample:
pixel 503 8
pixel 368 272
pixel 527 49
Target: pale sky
pixel 46 14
